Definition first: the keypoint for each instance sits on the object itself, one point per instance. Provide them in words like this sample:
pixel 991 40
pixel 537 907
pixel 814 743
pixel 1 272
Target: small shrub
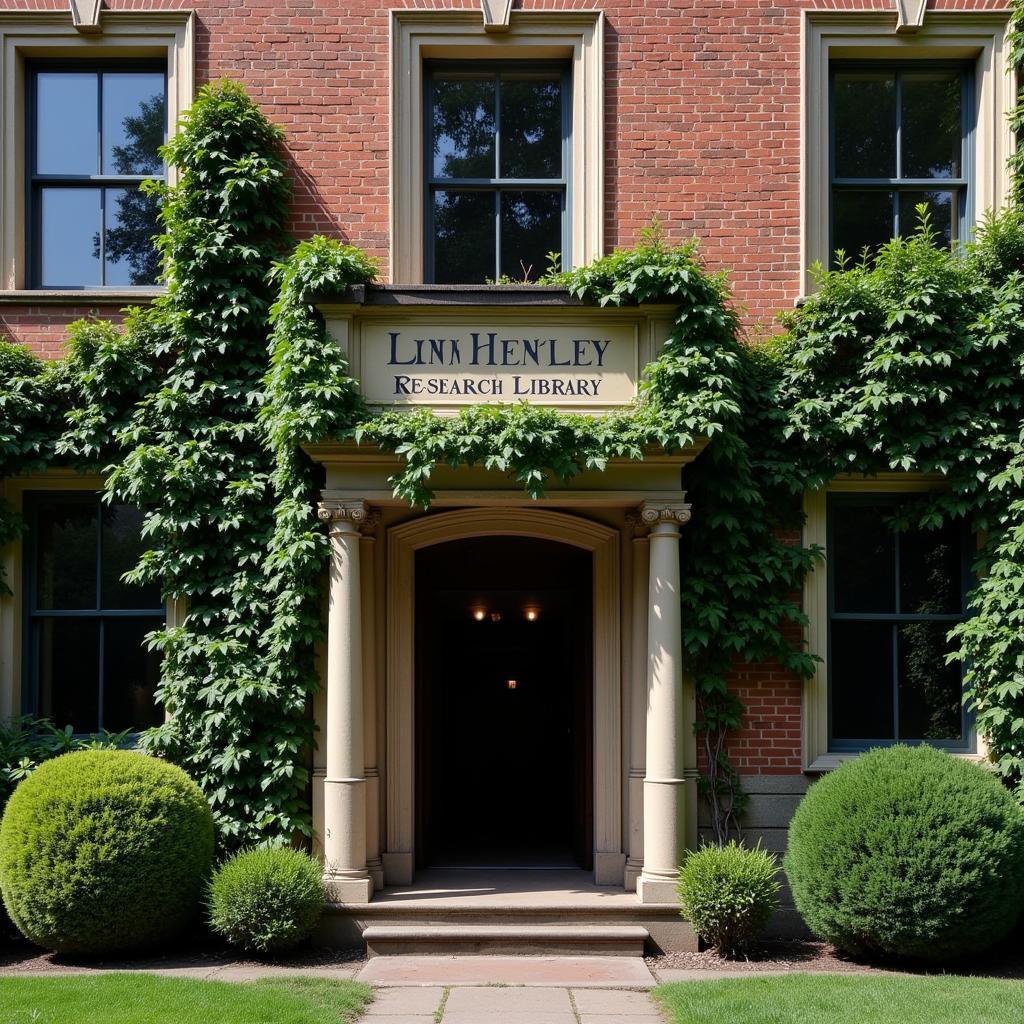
pixel 266 900
pixel 728 893
pixel 104 851
pixel 907 851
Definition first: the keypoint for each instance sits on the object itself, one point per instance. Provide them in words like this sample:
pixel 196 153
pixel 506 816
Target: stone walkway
pixel 472 1004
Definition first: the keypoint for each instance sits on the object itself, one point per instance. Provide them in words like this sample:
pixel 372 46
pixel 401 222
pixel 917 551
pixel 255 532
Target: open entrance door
pixel 504 698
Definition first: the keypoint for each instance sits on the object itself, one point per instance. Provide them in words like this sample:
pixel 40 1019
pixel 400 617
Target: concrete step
pixel 530 939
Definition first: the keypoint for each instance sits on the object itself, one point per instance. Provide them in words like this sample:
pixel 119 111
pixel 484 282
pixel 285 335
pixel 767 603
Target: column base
pixel 656 890
pixel 348 890
pixel 633 870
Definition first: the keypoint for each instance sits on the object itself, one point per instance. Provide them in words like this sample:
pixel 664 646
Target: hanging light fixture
pixel 531 613
pixel 479 614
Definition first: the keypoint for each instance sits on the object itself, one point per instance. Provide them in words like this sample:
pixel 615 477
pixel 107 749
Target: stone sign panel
pixel 585 364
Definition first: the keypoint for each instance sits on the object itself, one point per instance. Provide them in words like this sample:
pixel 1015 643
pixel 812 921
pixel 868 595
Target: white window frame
pixel 817 757
pixel 978 37
pixel 419 35
pixel 38 35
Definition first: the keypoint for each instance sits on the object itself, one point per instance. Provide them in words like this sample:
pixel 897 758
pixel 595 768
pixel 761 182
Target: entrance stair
pixel 494 911
pixel 521 939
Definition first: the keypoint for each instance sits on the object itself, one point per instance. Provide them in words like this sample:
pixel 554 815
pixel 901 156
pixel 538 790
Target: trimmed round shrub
pixel 266 900
pixel 728 893
pixel 908 851
pixel 104 851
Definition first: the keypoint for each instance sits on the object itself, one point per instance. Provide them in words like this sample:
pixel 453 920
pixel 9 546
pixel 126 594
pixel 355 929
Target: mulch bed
pixel 18 956
pixel 792 955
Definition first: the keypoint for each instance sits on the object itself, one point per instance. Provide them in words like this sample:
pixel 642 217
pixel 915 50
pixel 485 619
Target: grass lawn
pixel 150 999
pixel 827 999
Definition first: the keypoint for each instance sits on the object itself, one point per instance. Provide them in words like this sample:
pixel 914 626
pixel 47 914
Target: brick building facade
pixel 718 118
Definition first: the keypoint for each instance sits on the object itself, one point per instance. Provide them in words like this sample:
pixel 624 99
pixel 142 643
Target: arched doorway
pixel 504 704
pixel 405 799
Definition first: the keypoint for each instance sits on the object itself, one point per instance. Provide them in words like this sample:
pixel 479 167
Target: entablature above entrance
pixel 358 473
pixel 445 348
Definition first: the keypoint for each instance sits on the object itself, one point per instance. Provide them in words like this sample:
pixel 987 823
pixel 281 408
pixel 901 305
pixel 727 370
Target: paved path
pixel 472 1004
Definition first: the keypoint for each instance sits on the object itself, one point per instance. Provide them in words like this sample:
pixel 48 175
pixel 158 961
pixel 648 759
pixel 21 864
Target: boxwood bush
pixel 908 851
pixel 104 851
pixel 728 894
pixel 266 900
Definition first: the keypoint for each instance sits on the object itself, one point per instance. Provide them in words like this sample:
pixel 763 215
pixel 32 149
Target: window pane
pixel 931 125
pixel 940 210
pixel 122 547
pixel 863 555
pixel 133 122
pixel 67 133
pixel 531 227
pixel 930 571
pixel 65 569
pixel 130 675
pixel 860 677
pixel 861 220
pixel 930 690
pixel 464 237
pixel 70 237
pixel 463 127
pixel 131 222
pixel 68 671
pixel 531 127
pixel 865 125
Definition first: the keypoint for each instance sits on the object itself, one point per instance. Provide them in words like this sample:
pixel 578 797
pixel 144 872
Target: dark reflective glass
pixel 130 674
pixel 863 559
pixel 134 116
pixel 931 125
pixel 66 128
pixel 65 570
pixel 940 211
pixel 864 129
pixel 122 547
pixel 930 690
pixel 531 127
pixel 860 678
pixel 67 665
pixel 531 227
pixel 861 220
pixel 69 224
pixel 463 127
pixel 131 222
pixel 930 571
pixel 464 237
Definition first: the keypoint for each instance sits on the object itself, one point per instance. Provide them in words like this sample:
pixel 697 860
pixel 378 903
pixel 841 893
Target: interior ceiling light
pixel 479 614
pixel 532 613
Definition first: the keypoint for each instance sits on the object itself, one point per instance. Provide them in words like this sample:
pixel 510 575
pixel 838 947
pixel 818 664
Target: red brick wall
pixel 702 122
pixel 702 129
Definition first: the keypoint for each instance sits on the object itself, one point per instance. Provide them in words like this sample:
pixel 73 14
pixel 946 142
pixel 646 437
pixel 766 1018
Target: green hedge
pixel 267 900
pixel 908 851
pixel 104 851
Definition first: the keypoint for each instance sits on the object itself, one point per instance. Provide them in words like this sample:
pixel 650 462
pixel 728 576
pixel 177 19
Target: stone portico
pixel 628 519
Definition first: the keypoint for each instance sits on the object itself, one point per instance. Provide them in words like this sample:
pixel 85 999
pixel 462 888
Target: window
pixel 497 171
pixel 86 663
pixel 94 134
pixel 899 139
pixel 893 596
pixel 969 41
pixel 421 39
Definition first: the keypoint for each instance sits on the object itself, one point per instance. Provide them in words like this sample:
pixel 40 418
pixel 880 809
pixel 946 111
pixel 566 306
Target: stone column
pixel 664 784
pixel 345 870
pixel 373 846
pixel 637 700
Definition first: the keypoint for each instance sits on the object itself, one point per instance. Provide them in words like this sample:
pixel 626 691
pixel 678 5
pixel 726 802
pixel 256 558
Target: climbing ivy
pixel 198 408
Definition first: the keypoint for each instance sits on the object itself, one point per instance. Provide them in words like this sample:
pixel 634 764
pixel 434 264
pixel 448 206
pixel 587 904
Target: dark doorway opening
pixel 504 700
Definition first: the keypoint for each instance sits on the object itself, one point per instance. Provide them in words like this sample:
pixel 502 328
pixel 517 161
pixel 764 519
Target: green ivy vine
pixel 197 409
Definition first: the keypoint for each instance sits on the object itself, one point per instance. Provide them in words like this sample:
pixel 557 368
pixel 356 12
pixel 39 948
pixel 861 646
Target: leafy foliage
pixel 908 851
pixel 266 900
pixel 104 851
pixel 908 361
pixel 728 893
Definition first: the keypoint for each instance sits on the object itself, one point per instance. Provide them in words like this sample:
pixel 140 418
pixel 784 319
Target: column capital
pixel 651 513
pixel 356 514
